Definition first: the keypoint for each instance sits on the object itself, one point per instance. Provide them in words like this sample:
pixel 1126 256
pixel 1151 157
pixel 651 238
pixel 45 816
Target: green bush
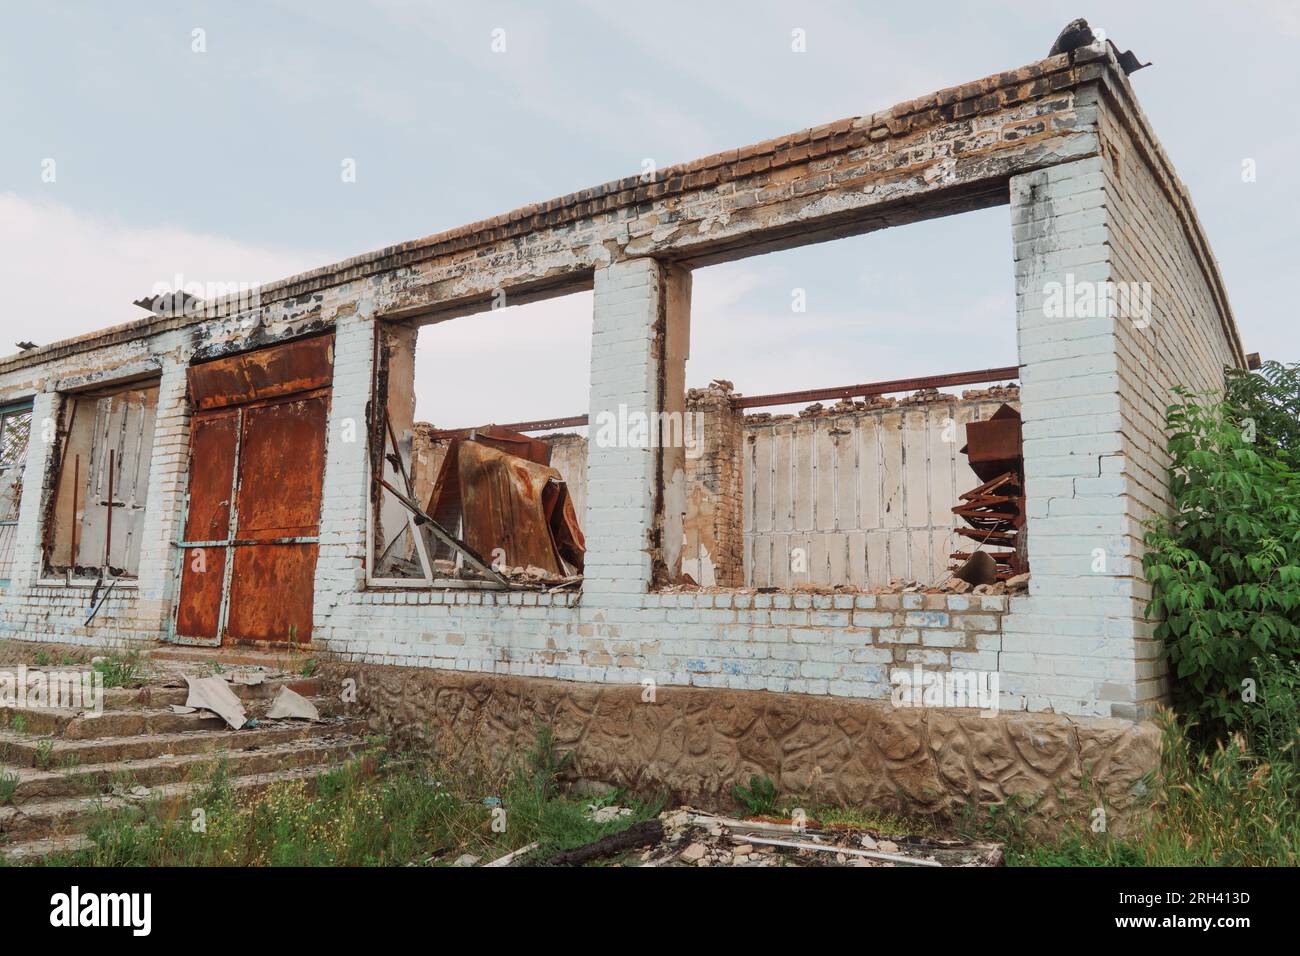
pixel 1267 403
pixel 758 799
pixel 1225 569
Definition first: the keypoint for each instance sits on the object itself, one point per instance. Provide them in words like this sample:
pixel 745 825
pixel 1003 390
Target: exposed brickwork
pixel 1091 193
pixel 715 491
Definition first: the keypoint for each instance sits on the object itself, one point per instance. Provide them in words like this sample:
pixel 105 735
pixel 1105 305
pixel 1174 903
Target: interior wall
pixel 15 429
pixel 862 498
pixel 106 434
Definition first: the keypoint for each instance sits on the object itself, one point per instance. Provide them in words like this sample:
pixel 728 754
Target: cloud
pixel 75 273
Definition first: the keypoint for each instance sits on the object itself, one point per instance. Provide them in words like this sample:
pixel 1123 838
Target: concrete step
pixel 239 758
pixel 29 851
pixel 157 695
pixel 287 659
pixel 24 750
pixel 40 819
pixel 129 721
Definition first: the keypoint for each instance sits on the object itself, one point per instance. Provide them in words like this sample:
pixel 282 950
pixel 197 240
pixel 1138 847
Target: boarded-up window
pixel 15 426
pixel 103 482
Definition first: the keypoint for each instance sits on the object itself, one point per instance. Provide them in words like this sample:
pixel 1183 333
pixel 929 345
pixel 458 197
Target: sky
pixel 208 141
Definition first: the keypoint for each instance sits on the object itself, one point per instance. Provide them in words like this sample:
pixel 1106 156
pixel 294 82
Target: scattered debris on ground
pixel 687 837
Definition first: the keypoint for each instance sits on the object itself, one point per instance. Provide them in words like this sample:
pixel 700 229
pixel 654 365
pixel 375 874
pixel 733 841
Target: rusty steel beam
pixel 975 377
pixel 537 425
pixel 869 389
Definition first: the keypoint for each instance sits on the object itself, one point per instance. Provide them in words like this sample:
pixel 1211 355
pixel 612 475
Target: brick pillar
pixel 29 559
pixel 714 524
pixel 623 482
pixel 168 471
pixel 345 496
pixel 1070 645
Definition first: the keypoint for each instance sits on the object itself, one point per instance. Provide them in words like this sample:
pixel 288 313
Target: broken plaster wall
pixel 41 607
pixel 862 496
pixel 1095 383
pixel 398 382
pixel 1025 133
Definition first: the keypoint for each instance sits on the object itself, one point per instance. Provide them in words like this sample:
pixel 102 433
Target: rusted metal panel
pixel 257 466
pixel 504 507
pixel 198 610
pixel 514 443
pixel 281 468
pixel 212 458
pixel 298 366
pixel 995 510
pixel 993 446
pixel 271 593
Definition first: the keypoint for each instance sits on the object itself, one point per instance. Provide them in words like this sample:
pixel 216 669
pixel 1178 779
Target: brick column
pixel 623 477
pixel 715 499
pixel 1070 645
pixel 165 496
pixel 340 565
pixel 28 558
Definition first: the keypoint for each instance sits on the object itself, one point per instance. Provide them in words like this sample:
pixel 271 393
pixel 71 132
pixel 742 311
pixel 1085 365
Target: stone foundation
pixel 695 743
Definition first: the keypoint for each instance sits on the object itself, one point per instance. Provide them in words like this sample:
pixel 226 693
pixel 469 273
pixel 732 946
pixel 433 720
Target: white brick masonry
pixel 629 303
pixel 1093 198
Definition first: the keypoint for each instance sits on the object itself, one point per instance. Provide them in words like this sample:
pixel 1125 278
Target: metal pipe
pixel 76 525
pixel 108 529
pixel 866 390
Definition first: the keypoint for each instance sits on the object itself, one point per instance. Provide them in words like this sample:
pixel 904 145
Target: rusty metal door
pixel 257 463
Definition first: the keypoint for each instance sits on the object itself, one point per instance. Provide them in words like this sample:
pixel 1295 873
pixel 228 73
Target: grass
pixel 1236 804
pixel 383 809
pixel 129 669
pixel 8 787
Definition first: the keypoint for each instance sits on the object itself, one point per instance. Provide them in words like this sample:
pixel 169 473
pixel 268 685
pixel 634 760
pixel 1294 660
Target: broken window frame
pixel 69 407
pixel 382 449
pixel 12 461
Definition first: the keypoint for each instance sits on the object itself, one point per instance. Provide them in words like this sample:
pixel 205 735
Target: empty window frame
pixel 101 482
pixel 15 427
pixel 482 506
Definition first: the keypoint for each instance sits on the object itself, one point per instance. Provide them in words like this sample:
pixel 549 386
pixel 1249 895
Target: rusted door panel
pixel 263 374
pixel 213 437
pixel 257 446
pixel 198 612
pixel 271 593
pixel 212 456
pixel 281 469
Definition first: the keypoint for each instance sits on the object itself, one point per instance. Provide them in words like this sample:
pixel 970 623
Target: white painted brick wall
pixel 629 298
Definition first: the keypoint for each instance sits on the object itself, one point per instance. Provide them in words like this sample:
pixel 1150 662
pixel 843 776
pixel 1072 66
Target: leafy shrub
pixel 1268 403
pixel 1225 569
pixel 1231 804
pixel 759 798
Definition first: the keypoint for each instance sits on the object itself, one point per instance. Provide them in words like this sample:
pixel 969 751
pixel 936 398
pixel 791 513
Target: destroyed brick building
pixel 239 473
